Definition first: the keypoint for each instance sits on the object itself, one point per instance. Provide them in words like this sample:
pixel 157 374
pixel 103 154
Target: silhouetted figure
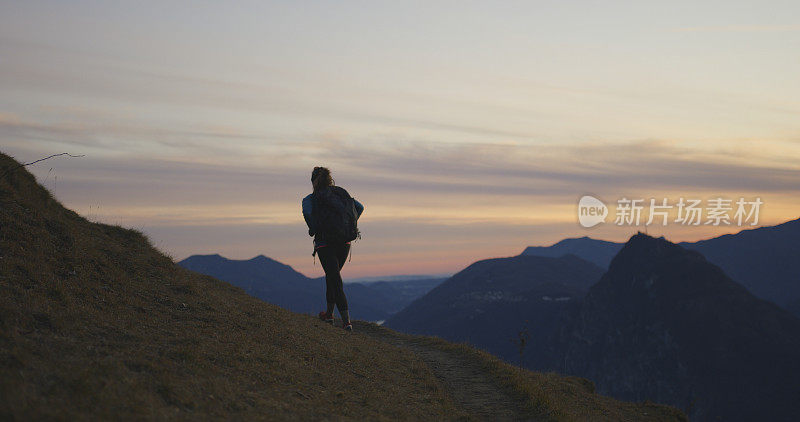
pixel 331 215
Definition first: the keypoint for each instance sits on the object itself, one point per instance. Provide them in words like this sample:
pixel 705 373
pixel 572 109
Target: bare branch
pixel 42 159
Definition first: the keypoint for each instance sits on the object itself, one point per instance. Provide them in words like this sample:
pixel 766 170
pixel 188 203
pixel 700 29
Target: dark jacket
pixel 307 206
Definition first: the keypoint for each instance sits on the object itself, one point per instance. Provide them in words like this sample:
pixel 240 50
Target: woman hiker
pixel 331 215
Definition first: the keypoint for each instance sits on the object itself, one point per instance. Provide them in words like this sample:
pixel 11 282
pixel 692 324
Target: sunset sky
pixel 469 130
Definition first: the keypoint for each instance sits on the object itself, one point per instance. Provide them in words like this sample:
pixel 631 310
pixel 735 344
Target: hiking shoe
pixel 347 326
pixel 326 317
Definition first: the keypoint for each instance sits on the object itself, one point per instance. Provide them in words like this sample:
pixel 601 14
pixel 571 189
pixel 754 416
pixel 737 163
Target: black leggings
pixel 332 258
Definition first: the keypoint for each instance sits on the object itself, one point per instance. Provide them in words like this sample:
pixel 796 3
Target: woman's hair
pixel 321 178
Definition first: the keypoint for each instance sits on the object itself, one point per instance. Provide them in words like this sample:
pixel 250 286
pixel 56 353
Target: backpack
pixel 334 215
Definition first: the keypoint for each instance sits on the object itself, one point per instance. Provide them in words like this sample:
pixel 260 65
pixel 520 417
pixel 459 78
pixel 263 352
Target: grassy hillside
pixel 96 323
pixel 546 396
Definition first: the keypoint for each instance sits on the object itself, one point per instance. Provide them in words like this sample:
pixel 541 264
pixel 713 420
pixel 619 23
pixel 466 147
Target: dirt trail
pixel 473 389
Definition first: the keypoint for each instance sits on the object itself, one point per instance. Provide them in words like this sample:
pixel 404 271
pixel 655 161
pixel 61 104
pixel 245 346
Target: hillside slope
pixel 766 260
pixel 94 322
pixel 97 324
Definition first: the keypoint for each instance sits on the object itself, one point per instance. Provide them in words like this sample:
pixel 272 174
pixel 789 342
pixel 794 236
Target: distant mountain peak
pixel 599 252
pixel 214 256
pixel 575 240
pixel 675 328
pixel 642 242
pixel 644 259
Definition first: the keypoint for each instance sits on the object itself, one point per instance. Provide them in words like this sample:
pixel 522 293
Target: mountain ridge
pixel 675 328
pixel 282 285
pixel 488 302
pixel 763 259
pixel 663 323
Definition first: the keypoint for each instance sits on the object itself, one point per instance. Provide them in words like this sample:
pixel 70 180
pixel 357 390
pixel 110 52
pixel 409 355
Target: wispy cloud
pixel 462 140
pixel 740 28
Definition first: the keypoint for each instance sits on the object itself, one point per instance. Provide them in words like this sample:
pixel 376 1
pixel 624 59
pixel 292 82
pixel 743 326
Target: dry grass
pixel 555 397
pixel 96 323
